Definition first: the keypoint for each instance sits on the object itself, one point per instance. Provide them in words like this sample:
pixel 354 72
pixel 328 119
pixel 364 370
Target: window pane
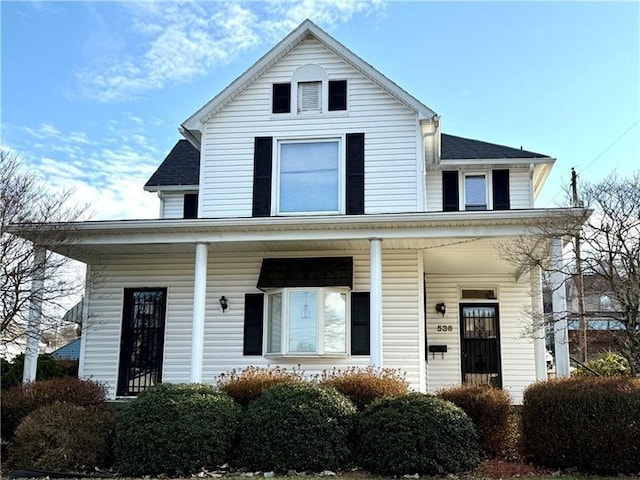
pixel 274 323
pixel 309 177
pixel 475 192
pixel 303 320
pixel 335 322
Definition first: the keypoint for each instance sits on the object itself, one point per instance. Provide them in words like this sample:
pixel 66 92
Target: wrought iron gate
pixel 142 341
pixel 479 328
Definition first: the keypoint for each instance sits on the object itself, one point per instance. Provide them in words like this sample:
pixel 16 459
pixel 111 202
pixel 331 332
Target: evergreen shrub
pixel 416 433
pixel 175 430
pixel 588 423
pixel 297 426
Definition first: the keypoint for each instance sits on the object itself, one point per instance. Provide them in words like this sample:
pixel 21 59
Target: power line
pixel 609 147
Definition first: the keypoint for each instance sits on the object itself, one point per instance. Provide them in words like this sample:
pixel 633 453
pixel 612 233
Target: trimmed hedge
pixel 63 437
pixel 19 401
pixel 592 424
pixel 490 410
pixel 297 426
pixel 176 430
pixel 248 384
pixel 363 385
pixel 416 433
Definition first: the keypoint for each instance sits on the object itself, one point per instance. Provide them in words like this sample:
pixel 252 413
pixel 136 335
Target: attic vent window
pixel 309 97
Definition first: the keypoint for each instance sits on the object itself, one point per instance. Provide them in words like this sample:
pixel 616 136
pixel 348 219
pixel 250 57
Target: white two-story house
pixel 314 214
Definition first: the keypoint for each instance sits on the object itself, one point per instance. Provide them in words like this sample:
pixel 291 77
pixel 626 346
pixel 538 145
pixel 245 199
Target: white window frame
pixel 487 192
pixel 285 321
pixel 275 194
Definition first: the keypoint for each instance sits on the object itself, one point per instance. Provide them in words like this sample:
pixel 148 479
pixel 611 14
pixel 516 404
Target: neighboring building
pixel 315 215
pixel 602 314
pixel 69 351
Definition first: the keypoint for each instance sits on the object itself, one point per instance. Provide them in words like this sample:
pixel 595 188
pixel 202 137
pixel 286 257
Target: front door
pixel 480 343
pixel 142 341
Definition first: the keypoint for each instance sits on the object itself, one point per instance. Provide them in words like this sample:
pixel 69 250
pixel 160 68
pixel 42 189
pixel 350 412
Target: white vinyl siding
pixel 173 205
pixel 389 127
pixel 517 354
pixel 233 276
pixel 520 188
pixel 102 333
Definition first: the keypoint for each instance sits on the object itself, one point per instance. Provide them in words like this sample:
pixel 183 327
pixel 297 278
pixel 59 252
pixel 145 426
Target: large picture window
pixel 309 177
pixel 307 321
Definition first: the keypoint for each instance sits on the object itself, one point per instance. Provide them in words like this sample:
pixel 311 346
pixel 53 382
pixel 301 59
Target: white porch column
pixel 35 314
pixel 539 346
pixel 199 301
pixel 375 299
pixel 559 302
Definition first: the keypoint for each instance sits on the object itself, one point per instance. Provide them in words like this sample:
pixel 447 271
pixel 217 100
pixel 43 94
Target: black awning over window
pixel 306 272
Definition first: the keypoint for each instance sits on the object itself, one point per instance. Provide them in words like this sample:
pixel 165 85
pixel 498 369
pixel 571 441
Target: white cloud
pixel 175 42
pixel 108 173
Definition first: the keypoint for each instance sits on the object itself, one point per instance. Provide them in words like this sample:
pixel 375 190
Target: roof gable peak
pixel 192 126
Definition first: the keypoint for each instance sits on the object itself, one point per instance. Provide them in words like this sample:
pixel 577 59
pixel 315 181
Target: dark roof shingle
pixel 180 167
pixel 465 148
pixel 182 164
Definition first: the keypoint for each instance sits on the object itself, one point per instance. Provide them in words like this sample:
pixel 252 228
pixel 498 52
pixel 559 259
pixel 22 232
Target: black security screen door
pixel 480 344
pixel 141 346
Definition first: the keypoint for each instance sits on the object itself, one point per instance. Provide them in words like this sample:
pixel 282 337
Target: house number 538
pixel 444 328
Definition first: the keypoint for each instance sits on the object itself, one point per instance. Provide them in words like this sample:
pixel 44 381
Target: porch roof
pixel 88 240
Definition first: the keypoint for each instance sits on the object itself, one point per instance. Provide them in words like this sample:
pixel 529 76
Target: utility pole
pixel 578 278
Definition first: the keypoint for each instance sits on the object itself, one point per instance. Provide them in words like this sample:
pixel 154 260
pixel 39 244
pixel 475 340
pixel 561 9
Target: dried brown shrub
pixel 248 384
pixel 363 385
pixel 491 411
pixel 19 401
pixel 63 437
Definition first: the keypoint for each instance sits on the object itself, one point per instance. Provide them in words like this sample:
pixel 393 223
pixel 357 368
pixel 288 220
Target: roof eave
pixel 171 188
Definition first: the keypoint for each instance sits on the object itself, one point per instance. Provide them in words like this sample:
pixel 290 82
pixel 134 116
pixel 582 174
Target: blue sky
pixel 93 93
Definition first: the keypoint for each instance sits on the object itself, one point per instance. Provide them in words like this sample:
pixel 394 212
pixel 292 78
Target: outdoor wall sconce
pixel 224 303
pixel 441 308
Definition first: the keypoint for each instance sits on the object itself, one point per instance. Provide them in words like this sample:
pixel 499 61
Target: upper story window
pixel 475 191
pixel 310 91
pixel 309 177
pixel 307 321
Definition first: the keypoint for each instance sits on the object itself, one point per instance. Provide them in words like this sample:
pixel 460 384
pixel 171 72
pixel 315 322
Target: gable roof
pixel 180 167
pixel 191 128
pixel 459 148
pixel 70 351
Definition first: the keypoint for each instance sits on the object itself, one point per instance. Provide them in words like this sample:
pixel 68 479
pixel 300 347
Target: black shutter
pixel 281 98
pixel 450 193
pixel 355 173
pixel 253 308
pixel 337 95
pixel 190 207
pixel 360 321
pixel 501 190
pixel 262 154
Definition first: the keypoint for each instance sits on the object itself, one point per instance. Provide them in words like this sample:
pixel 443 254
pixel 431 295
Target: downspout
pixel 531 187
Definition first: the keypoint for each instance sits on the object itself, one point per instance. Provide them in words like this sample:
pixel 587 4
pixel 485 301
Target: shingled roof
pixel 180 167
pixel 182 164
pixel 454 148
